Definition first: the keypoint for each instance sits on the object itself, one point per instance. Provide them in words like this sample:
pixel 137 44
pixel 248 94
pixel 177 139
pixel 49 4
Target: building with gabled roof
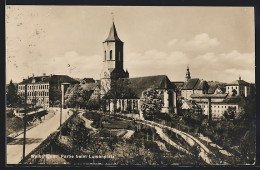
pixel 43 90
pixel 238 87
pixel 158 82
pixel 194 86
pixel 216 87
pixel 217 104
pixel 139 85
pixel 113 71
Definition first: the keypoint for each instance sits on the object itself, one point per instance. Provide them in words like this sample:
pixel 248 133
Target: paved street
pixel 34 137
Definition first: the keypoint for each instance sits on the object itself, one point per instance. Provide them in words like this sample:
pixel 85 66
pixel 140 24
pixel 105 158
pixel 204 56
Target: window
pixel 105 55
pixel 110 54
pixel 118 55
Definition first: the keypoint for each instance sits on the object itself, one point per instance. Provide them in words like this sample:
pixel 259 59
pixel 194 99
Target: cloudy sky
pixel 218 43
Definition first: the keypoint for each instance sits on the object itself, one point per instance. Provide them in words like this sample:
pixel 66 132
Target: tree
pixel 151 102
pixel 230 113
pixel 77 96
pixel 78 133
pixel 55 95
pixel 12 97
pixel 119 90
pixel 234 92
pixel 93 104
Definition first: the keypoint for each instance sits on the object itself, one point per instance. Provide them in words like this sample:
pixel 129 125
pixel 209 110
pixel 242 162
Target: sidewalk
pixel 34 137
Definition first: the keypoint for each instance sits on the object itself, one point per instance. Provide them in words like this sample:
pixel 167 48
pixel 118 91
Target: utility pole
pixel 25 121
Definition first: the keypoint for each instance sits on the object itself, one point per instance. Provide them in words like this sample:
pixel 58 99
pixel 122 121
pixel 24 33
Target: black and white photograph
pixel 130 85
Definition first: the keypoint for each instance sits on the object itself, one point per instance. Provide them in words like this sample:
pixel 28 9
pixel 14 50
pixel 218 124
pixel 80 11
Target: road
pixel 34 137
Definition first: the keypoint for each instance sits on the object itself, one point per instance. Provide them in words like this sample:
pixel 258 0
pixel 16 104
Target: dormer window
pixel 33 80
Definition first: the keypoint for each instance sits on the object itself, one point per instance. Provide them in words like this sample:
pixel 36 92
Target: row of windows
pixel 236 87
pixel 111 54
pixel 32 87
pixel 37 93
pixel 204 106
pixel 21 87
pixel 214 111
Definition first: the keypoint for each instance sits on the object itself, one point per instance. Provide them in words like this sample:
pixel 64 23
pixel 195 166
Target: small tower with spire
pixel 187 77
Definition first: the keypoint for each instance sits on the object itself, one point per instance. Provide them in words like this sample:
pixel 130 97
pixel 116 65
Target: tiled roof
pixel 51 79
pixel 89 86
pixel 191 104
pixel 195 84
pixel 214 85
pixel 238 82
pixel 63 78
pixel 208 95
pixel 140 84
pixel 179 85
pixel 235 100
pixel 38 79
pixel 88 80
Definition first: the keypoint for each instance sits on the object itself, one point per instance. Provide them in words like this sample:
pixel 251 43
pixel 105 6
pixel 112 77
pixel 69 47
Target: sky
pixel 218 43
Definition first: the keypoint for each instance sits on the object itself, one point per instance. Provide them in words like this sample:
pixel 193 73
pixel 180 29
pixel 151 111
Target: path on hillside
pixel 204 151
pixel 87 121
pixel 128 134
pixel 34 137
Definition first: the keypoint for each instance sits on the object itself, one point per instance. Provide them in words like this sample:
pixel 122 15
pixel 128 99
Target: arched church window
pixel 110 54
pixel 105 54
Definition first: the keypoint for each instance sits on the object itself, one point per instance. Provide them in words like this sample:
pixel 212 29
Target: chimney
pixel 44 74
pixel 239 77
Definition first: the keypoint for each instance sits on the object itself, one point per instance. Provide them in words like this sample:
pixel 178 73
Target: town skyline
pixel 155 44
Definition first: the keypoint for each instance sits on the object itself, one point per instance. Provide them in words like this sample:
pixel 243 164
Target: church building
pixel 113 71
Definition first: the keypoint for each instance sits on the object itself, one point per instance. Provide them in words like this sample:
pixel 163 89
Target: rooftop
pixel 238 82
pixel 140 84
pixel 112 36
pixel 208 95
pixel 195 84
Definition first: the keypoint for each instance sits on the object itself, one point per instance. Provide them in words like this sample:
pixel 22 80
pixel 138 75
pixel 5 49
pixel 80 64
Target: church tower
pixel 187 77
pixel 112 60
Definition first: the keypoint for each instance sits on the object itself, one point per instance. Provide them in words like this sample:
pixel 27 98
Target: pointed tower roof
pixel 112 34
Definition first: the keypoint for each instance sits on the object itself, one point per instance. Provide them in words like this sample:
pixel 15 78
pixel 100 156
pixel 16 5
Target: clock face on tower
pixel 105 75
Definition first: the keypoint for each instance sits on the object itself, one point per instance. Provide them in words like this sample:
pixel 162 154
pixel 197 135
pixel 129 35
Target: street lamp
pixel 25 121
pixel 62 102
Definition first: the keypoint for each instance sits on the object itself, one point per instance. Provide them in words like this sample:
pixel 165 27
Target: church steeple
pixel 113 60
pixel 187 77
pixel 112 36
